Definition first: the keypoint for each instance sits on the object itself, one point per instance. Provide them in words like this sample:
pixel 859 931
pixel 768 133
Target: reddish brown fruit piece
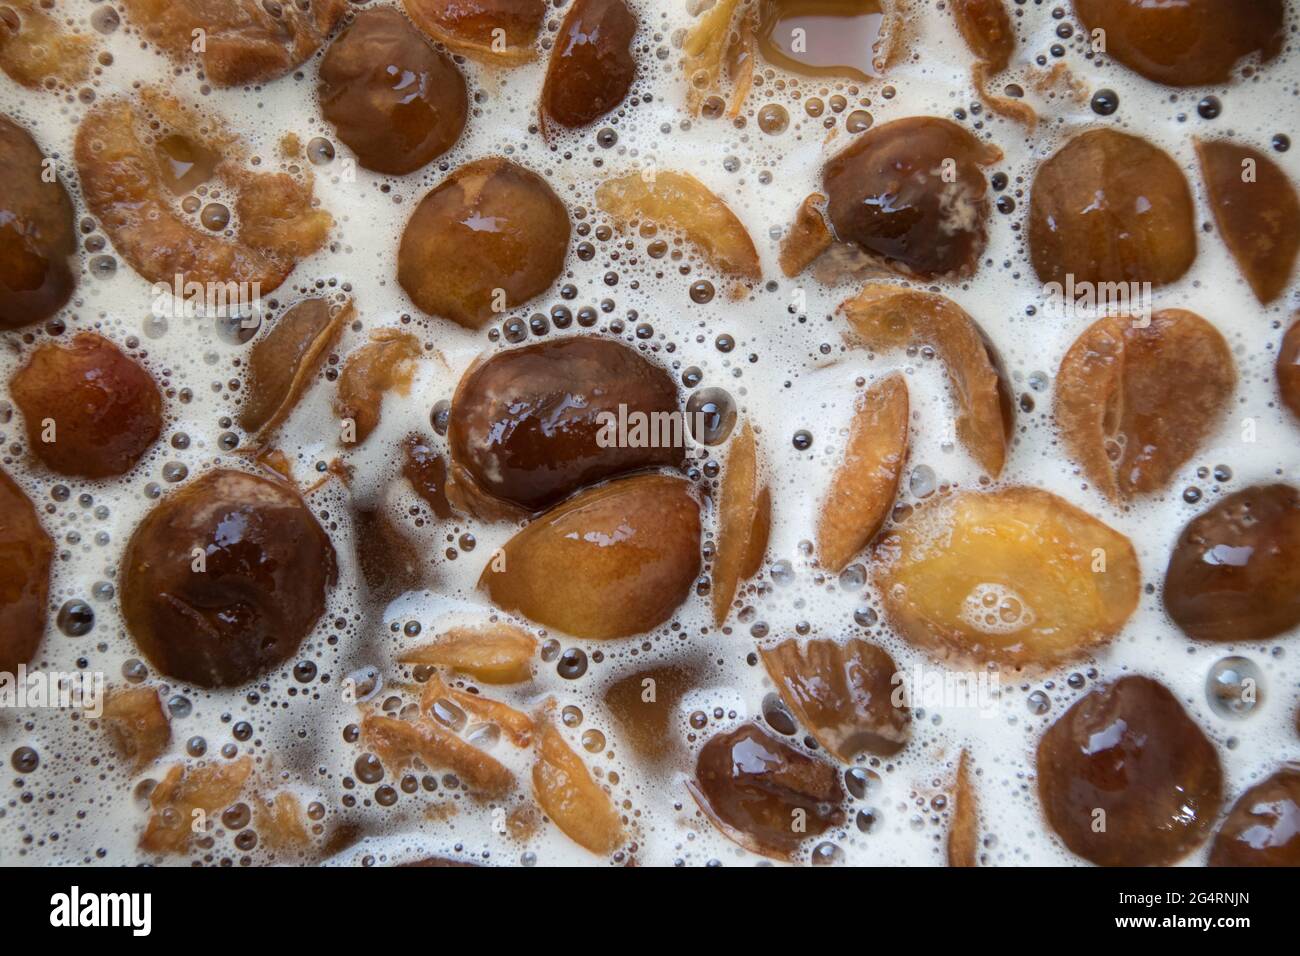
pixel 1288 369
pixel 568 795
pixel 843 694
pixel 1234 574
pixel 529 425
pixel 592 65
pixel 265 568
pixel 493 653
pixel 865 483
pixel 181 792
pixel 763 793
pixel 1126 778
pixel 90 410
pixel 25 555
pixel 1186 44
pixel 395 100
pixel 38 50
pixel 489 237
pixel 613 561
pixel 912 194
pixel 426 470
pixel 1263 826
pixel 397 742
pixel 1108 207
pixel 495 31
pixel 986 27
pixel 744 521
pixel 137 725
pixel 963 832
pixel 1135 403
pixel 37 237
pixel 1257 211
pixel 385 363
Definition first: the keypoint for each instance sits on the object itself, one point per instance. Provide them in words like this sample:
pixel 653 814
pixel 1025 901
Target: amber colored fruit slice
pixel 1109 207
pixel 1126 778
pixel 986 27
pixel 517 725
pixel 963 832
pixel 613 561
pixel 494 31
pixel 1288 369
pixel 181 793
pixel 680 201
pixel 843 694
pixel 91 411
pixel 396 742
pixel 706 46
pixel 644 704
pixel 137 725
pixel 1263 826
pixel 37 49
pixel 912 195
pixel 765 794
pixel 386 363
pixel 426 470
pixel 25 555
pixel 744 521
pixel 889 317
pixel 865 483
pixel 807 238
pixel 1234 574
pixel 1186 44
pixel 592 65
pixel 1134 402
pixel 1257 211
pixel 279 821
pixel 574 801
pixel 282 363
pixel 493 653
pixel 1016 576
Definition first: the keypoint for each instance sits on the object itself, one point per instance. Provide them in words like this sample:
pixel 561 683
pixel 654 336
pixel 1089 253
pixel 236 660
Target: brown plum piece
pixel 244 41
pixel 397 742
pixel 37 48
pixel 1288 369
pixel 224 578
pixel 104 408
pixel 1257 211
pixel 1263 826
pixel 613 561
pixel 1108 207
pixel 492 653
pixel 395 100
pixel 644 705
pixel 744 522
pixel 843 694
pixel 489 237
pixel 500 31
pixel 385 363
pixel 1234 574
pixel 25 555
pixel 1186 44
pixel 963 833
pixel 532 425
pixel 592 65
pixel 567 793
pixel 426 470
pixel 182 792
pixel 765 794
pixel 1126 778
pixel 37 235
pixel 137 725
pixel 912 194
pixel 1134 402
pixel 986 27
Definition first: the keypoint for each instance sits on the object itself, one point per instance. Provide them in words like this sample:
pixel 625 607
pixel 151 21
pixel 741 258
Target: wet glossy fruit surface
pixel 384 364
pixel 489 237
pixel 1135 401
pixel 426 470
pixel 1234 574
pixel 765 794
pixel 393 98
pixel 37 239
pixel 1263 826
pixel 101 409
pixel 1015 576
pixel 1126 778
pixel 613 561
pixel 1257 212
pixel 1288 369
pixel 912 193
pixel 1186 44
pixel 265 568
pixel 843 694
pixel 493 30
pixel 592 65
pixel 25 555
pixel 567 793
pixel 535 424
pixel 744 522
pixel 1110 207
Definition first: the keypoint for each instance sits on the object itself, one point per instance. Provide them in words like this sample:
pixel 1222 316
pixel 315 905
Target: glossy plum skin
pixel 37 234
pixel 1288 369
pixel 592 66
pixel 106 409
pixel 1263 826
pixel 1234 574
pixel 267 566
pixel 888 194
pixel 526 423
pixel 1128 749
pixel 489 237
pixel 25 555
pixel 393 98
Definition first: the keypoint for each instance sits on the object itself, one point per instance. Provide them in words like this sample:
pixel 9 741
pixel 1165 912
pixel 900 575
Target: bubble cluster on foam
pixel 794 384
